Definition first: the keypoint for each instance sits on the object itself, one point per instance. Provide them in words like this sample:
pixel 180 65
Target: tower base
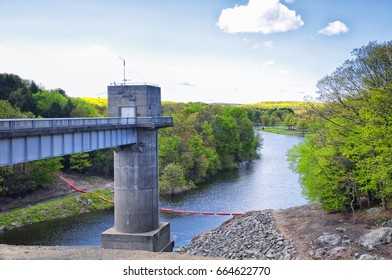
pixel 155 241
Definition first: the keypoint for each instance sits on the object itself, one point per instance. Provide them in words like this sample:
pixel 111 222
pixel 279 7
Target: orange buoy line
pixel 83 191
pixel 165 210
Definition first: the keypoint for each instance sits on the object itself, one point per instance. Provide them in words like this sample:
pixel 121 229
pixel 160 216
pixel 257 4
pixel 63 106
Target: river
pixel 266 183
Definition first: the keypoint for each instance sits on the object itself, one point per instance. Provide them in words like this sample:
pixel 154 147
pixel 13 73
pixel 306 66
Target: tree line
pixel 205 139
pixel 346 163
pixel 292 115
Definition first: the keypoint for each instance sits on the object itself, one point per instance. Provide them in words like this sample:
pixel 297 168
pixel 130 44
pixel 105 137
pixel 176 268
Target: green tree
pixel 82 109
pixel 172 178
pixel 9 83
pixel 227 137
pixel 347 157
pixel 274 121
pixel 18 92
pixel 102 162
pixel 80 162
pixel 50 104
pixel 42 172
pixel 9 112
pixel 290 122
pixel 265 120
pixel 302 125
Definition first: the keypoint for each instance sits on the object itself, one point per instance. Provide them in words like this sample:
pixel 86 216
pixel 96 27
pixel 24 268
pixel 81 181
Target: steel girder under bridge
pixel 23 140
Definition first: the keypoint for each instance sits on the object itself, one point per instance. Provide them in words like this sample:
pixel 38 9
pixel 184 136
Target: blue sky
pixel 231 51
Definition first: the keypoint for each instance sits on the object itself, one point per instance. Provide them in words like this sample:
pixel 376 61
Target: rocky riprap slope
pixel 251 236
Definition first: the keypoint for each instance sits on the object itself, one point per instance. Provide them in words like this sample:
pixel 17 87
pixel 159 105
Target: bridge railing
pixel 32 124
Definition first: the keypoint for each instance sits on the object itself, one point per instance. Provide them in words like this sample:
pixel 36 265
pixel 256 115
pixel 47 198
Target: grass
pixel 280 130
pixel 60 208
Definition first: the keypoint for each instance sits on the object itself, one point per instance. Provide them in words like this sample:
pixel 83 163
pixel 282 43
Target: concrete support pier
pixel 136 194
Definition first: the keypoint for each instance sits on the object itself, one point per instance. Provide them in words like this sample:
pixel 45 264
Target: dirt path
pixel 305 224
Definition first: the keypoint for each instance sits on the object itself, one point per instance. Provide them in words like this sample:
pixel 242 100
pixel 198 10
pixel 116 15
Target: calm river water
pixel 266 183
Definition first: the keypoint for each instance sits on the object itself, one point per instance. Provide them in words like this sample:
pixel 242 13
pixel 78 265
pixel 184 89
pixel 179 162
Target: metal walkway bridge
pixel 23 140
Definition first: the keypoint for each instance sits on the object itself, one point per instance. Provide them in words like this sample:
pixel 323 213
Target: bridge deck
pixel 23 140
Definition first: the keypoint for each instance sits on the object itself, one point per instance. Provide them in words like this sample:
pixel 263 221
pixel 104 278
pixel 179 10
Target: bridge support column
pixel 136 198
pixel 136 194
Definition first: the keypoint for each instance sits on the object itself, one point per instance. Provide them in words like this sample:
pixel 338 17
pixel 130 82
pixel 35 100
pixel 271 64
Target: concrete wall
pixel 146 99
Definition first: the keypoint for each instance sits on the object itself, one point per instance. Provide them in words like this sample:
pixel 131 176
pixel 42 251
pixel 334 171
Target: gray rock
pixel 387 224
pixel 374 211
pixel 376 237
pixel 89 202
pixel 251 236
pixel 367 257
pixel 320 252
pixel 2 228
pixel 17 225
pixel 327 239
pixel 338 250
pixel 346 241
pixel 341 229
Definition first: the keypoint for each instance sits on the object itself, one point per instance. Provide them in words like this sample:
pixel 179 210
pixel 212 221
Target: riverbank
pixel 280 130
pixel 58 201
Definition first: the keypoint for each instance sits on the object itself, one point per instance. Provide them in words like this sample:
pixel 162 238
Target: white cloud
pixel 259 16
pixel 269 63
pixel 289 1
pixel 334 28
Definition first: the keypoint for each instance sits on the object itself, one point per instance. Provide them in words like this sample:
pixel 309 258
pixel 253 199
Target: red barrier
pixel 192 212
pixel 223 213
pixel 82 191
pixel 165 210
pixel 237 214
pixel 207 213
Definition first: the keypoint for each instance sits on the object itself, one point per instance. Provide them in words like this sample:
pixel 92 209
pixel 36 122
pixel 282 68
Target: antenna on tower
pixel 124 68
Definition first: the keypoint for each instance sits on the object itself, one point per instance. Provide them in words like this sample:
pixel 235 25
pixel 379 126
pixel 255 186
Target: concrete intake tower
pixel 136 194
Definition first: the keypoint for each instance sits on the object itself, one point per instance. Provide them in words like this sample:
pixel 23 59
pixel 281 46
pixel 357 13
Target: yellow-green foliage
pixel 100 104
pixel 98 101
pixel 295 105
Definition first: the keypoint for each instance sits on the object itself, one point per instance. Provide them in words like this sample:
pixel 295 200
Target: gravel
pixel 251 236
